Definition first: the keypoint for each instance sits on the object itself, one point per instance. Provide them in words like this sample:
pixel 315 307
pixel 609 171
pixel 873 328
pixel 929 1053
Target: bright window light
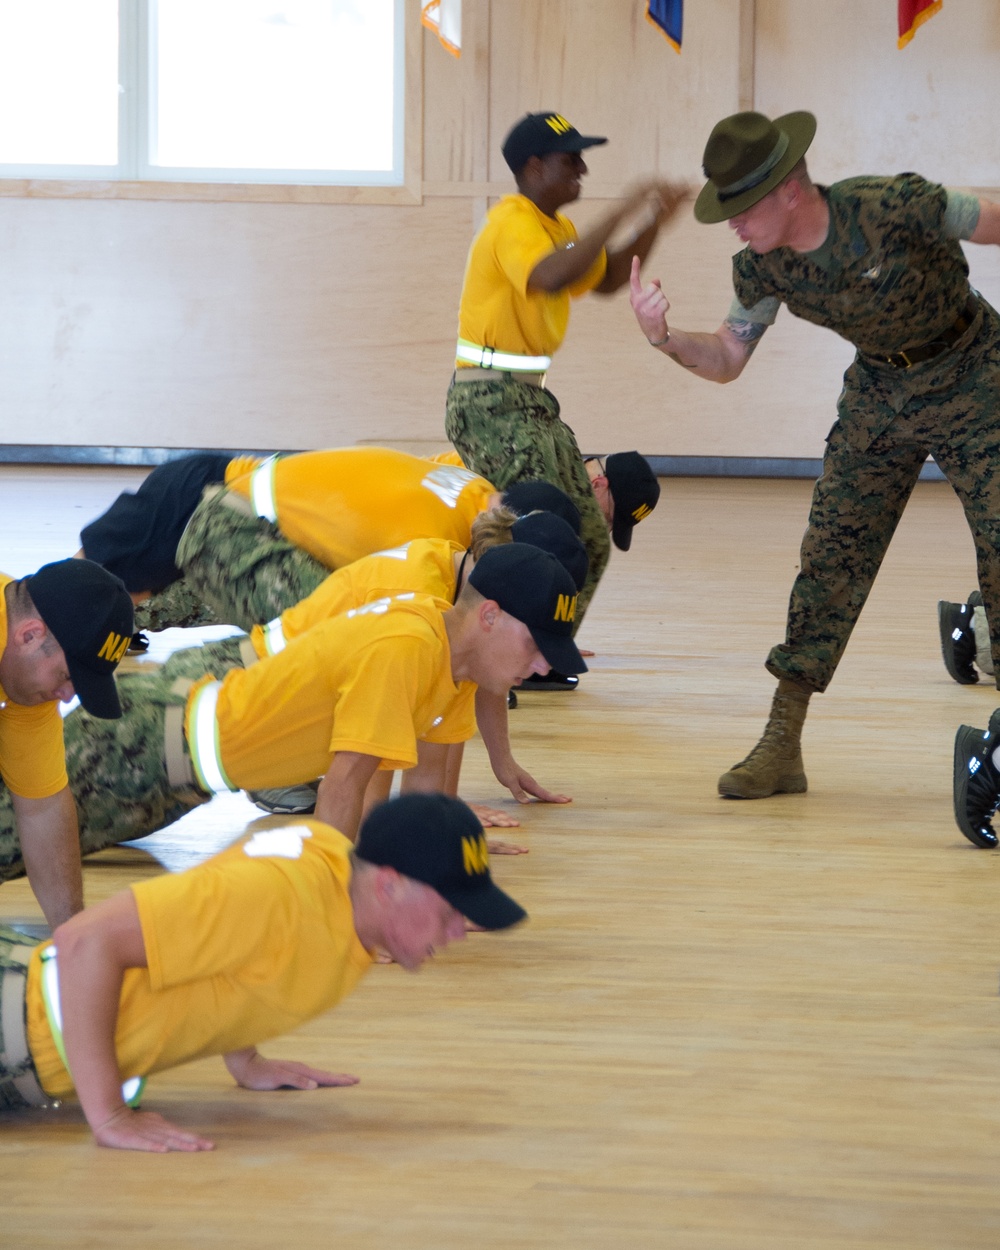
pixel 266 84
pixel 59 82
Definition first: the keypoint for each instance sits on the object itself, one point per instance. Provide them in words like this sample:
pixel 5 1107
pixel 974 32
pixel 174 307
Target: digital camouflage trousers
pixel 117 769
pixel 508 431
pixel 238 569
pixel 857 503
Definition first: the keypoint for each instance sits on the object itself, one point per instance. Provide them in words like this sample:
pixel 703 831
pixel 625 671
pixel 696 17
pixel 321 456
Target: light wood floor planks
pixel 728 1026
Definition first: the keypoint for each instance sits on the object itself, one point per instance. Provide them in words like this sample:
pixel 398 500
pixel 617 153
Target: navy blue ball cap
pixel 436 839
pixel 534 588
pixel 550 533
pixel 539 496
pixel 89 613
pixel 538 134
pixel 635 492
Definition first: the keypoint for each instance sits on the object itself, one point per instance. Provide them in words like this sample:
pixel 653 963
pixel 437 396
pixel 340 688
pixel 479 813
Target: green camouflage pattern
pixel 509 431
pixel 116 768
pixel 951 414
pixel 10 1098
pixel 242 566
pixel 176 607
pixel 887 278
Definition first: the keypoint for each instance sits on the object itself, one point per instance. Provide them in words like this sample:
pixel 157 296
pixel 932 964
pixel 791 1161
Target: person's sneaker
pixel 976 784
pixel 138 644
pixel 286 800
pixel 551 681
pixel 958 641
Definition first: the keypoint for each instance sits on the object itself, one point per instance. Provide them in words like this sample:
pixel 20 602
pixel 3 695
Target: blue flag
pixel 668 15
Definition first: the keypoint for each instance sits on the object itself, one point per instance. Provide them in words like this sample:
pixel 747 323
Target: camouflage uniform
pixel 177 607
pixel 887 280
pixel 117 771
pixel 10 957
pixel 242 566
pixel 509 431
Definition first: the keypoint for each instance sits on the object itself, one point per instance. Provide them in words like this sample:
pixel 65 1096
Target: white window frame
pixel 135 178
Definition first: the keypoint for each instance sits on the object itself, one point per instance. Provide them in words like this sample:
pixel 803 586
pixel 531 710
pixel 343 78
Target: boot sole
pixel 964 674
pixel 734 787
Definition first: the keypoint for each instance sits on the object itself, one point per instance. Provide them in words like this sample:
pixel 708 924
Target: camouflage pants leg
pixel 508 431
pixel 241 565
pixel 193 663
pixel 116 772
pixel 10 1097
pixel 856 506
pixel 966 446
pixel 177 607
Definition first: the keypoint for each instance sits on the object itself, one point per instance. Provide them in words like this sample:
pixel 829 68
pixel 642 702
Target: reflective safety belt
pixel 203 740
pixel 262 490
pixel 132 1089
pixel 274 636
pixel 489 358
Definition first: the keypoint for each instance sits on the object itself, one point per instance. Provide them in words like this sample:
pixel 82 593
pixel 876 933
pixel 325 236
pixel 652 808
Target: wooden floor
pixel 727 1026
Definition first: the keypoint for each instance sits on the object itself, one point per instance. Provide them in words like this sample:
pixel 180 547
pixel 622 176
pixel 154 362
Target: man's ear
pixel 32 629
pixel 387 884
pixel 489 613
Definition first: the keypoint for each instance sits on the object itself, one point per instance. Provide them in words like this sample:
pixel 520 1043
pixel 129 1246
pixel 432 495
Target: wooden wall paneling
pixel 929 107
pixel 610 72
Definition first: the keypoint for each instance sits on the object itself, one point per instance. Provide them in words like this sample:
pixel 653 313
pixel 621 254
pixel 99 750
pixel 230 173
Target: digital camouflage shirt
pixel 888 276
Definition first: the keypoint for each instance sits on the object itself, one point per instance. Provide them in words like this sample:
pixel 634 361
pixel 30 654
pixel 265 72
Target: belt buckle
pixel 899 360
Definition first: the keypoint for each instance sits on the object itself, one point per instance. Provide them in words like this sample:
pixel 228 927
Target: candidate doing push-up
pixel 171 969
pixel 242 547
pixel 62 632
pixel 350 696
pixel 436 567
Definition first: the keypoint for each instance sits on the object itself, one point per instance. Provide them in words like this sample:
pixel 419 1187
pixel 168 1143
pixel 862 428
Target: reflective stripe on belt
pixel 133 1088
pixel 274 636
pixel 203 740
pixel 488 358
pixel 262 490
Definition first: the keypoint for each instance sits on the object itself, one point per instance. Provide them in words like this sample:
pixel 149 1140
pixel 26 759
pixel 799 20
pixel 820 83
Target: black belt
pixel 927 351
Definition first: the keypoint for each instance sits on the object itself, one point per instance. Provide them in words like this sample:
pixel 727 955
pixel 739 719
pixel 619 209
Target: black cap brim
pixel 97 692
pixel 561 652
pixel 621 532
pixel 485 905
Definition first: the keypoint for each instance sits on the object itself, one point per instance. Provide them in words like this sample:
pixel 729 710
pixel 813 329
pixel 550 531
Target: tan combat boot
pixel 774 766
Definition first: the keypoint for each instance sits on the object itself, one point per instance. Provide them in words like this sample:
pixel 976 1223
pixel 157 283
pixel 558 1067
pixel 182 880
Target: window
pixel 235 91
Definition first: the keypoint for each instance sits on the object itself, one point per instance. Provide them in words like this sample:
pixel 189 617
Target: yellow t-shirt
pixel 497 309
pixel 246 946
pixel 32 756
pixel 375 680
pixel 344 504
pixel 426 565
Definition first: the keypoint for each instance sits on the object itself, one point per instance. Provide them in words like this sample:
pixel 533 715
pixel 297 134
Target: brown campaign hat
pixel 746 156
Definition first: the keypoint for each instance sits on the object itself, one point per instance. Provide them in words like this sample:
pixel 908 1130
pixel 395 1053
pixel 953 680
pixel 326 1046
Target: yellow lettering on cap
pixel 641 512
pixel 559 124
pixel 114 647
pixel 565 608
pixel 475 856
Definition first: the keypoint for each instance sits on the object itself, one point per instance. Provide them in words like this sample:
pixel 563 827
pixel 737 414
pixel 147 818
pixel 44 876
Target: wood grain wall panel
pixel 226 325
pixel 930 106
pixel 605 68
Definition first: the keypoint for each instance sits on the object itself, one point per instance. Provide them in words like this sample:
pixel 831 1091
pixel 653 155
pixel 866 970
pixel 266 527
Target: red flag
pixel 913 13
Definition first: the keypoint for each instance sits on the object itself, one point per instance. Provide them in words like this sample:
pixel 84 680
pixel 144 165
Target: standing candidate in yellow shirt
pixel 525 265
pixel 62 632
pixel 275 930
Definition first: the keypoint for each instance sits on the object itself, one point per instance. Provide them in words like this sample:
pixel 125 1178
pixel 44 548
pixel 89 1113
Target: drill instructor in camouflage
pixel 878 260
pixel 524 266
